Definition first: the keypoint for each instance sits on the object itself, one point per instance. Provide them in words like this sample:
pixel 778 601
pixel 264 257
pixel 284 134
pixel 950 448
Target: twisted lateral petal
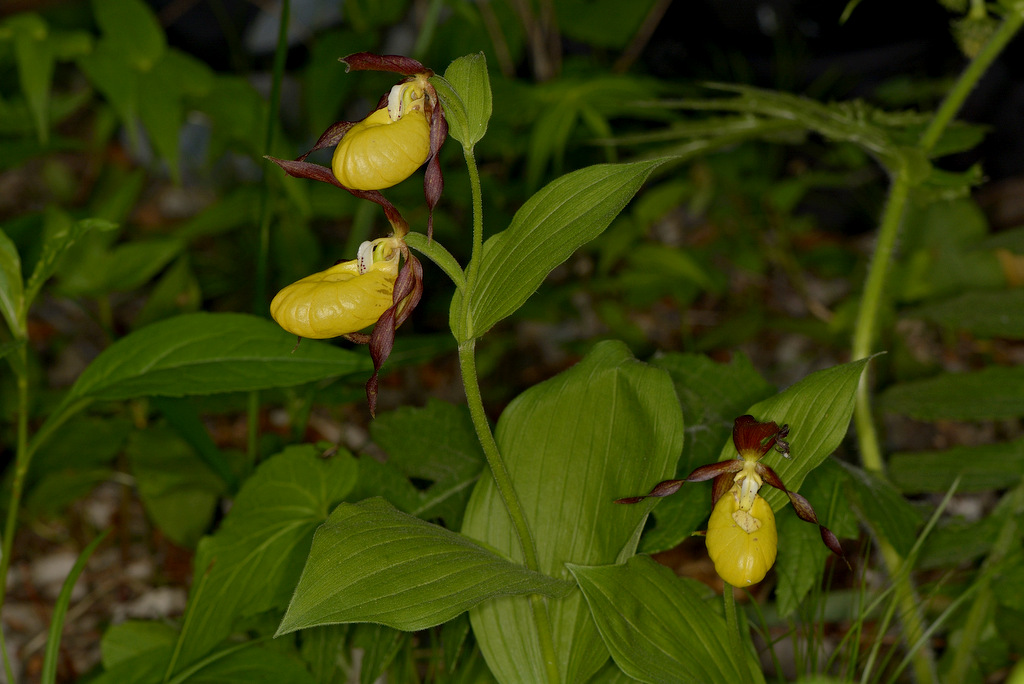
pixel 742 544
pixel 337 301
pixel 377 152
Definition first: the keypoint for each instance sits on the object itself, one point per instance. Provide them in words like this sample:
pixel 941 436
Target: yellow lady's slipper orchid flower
pixel 742 542
pixel 386 147
pixel 343 299
pixel 741 538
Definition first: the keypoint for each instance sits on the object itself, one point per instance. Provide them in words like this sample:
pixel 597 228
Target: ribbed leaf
pixel 657 627
pixel 991 466
pixel 204 353
pixel 993 393
pixel 987 313
pixel 818 411
pixel 372 563
pixel 882 507
pixel 12 289
pixel 253 561
pixel 561 217
pixel 606 428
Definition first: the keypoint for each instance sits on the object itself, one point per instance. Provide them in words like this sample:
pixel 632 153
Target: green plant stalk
pixel 502 478
pixel 478 226
pixel 1005 32
pixel 867 436
pixel 871 303
pixel 21 462
pixel 507 492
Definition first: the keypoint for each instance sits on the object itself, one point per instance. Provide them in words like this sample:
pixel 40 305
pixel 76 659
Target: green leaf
pixel 132 28
pixel 108 71
pixel 205 353
pixel 12 293
pixel 454 111
pixel 125 267
pixel 979 468
pixel 177 490
pixel 380 646
pixel 817 410
pixel 372 563
pixel 712 395
pixel 176 292
pixel 438 444
pixel 800 562
pixel 467 76
pixel 882 508
pixel 606 428
pixel 60 611
pixel 34 50
pixel 657 627
pixel 989 313
pixel 564 215
pixel 253 561
pixel 60 233
pixel 993 393
pixel 134 638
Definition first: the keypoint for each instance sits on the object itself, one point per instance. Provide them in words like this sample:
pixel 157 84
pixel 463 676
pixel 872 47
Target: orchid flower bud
pixel 386 147
pixel 742 543
pixel 343 299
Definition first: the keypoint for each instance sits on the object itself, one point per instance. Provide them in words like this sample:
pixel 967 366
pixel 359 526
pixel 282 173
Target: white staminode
pixel 395 102
pixel 365 256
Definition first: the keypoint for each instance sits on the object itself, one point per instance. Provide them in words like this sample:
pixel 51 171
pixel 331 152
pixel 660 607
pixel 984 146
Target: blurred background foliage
pixel 152 117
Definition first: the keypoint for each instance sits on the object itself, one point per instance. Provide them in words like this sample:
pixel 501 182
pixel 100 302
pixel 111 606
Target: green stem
pixel 22 459
pixel 971 75
pixel 507 492
pixel 732 626
pixel 870 308
pixel 478 224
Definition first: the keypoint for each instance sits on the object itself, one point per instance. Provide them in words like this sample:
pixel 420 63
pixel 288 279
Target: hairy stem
pixel 507 492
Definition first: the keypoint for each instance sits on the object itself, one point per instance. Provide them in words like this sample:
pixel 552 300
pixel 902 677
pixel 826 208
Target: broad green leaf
pixel 979 468
pixel 132 28
pixel 606 428
pixel 122 268
pixel 176 292
pixel 712 396
pixel 205 353
pixel 250 664
pixel 817 410
pixel 658 628
pixel 112 75
pixel 993 393
pixel 253 561
pixel 438 444
pixel 468 78
pixel 957 542
pixel 372 563
pixel 126 640
pixel 12 292
pixel 178 491
pixel 882 508
pixel 989 313
pixel 564 215
pixel 162 114
pixel 34 50
pixel 61 232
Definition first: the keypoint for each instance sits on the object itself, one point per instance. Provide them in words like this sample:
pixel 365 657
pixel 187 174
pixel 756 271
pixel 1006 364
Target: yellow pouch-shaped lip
pixel 742 557
pixel 337 301
pixel 377 152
